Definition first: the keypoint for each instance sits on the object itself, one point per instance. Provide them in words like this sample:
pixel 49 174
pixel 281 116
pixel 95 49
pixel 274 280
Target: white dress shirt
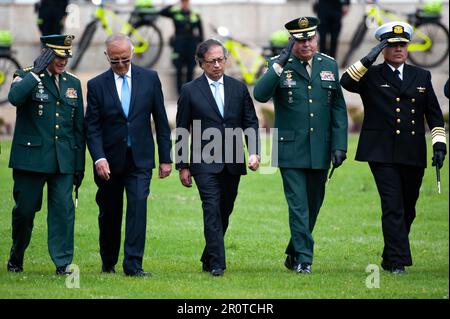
pixel 400 69
pixel 119 82
pixel 221 88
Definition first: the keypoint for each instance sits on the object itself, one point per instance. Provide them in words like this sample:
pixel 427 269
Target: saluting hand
pixel 373 54
pixel 42 61
pixel 285 53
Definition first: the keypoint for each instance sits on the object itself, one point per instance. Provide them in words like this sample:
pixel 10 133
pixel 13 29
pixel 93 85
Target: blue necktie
pixel 397 73
pixel 217 97
pixel 125 100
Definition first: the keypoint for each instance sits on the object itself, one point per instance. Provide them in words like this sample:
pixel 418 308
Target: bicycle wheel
pixel 437 52
pixel 8 65
pixel 355 43
pixel 84 43
pixel 151 34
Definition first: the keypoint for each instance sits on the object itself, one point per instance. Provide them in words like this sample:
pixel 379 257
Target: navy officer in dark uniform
pixel 188 34
pixel 397 97
pixel 48 148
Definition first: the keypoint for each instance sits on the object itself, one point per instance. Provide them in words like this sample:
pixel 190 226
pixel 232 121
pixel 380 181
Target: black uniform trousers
pixel 398 186
pixel 27 192
pixel 329 29
pixel 217 193
pixel 136 183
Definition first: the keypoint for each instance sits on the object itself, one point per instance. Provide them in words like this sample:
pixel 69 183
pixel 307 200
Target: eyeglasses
pixel 214 61
pixel 117 61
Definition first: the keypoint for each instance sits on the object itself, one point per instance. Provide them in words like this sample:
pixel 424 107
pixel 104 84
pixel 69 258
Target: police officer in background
pixel 188 34
pixel 330 13
pixel 311 118
pixel 48 147
pixel 397 97
pixel 51 16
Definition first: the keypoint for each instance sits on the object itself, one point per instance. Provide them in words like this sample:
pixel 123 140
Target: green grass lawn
pixel 347 235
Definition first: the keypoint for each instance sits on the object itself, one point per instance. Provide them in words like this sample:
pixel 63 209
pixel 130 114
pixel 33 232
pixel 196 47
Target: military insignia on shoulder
pixel 326 55
pixel 71 74
pixel 27 69
pixel 16 78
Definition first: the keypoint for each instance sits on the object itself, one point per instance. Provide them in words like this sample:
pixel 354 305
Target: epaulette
pixel 71 74
pixel 330 57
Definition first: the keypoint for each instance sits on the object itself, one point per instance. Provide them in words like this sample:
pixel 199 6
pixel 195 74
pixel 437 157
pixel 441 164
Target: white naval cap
pixel 395 31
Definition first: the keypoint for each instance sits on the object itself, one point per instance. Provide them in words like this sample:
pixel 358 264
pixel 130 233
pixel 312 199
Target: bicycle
pixel 250 61
pixel 140 27
pixel 8 64
pixel 430 43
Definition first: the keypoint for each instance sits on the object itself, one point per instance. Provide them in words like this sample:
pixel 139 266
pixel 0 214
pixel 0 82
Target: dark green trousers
pixel 28 189
pixel 304 190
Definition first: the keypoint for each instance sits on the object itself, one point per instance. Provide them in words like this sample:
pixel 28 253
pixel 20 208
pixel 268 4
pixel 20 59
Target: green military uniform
pixel 311 118
pixel 48 147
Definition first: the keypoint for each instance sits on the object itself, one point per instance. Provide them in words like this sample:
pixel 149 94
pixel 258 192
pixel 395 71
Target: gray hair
pixel 117 38
pixel 203 47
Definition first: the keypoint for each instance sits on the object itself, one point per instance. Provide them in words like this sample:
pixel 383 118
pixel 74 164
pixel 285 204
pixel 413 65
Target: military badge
pixel 397 29
pixel 68 40
pixel 288 81
pixel 385 85
pixel 71 93
pixel 327 76
pixel 303 23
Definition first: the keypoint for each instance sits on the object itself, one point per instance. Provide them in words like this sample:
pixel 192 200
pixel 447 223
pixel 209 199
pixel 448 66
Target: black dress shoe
pixel 12 267
pixel 138 273
pixel 63 271
pixel 108 269
pixel 217 272
pixel 393 268
pixel 289 263
pixel 304 268
pixel 205 267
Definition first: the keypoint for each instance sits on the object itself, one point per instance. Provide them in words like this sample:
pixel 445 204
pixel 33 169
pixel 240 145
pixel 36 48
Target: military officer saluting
pixel 396 98
pixel 311 118
pixel 48 148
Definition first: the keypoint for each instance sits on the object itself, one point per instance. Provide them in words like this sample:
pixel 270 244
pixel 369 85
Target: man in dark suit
pixel 121 102
pixel 311 119
pixel 396 97
pixel 48 148
pixel 219 110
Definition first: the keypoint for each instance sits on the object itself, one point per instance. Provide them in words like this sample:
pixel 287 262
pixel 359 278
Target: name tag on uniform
pixel 71 93
pixel 327 76
pixel 421 89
